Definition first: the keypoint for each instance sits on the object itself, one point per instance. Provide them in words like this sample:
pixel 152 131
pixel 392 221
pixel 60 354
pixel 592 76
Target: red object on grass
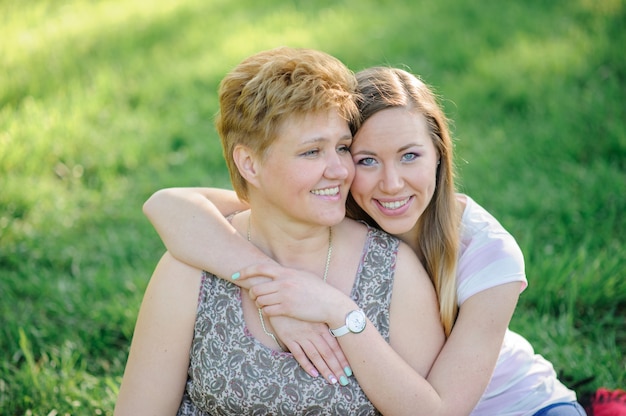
pixel 607 402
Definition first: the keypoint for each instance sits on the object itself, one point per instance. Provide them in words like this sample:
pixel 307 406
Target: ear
pixel 247 163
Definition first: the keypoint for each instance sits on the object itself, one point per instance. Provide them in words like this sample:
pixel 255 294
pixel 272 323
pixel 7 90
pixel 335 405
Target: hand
pixel 296 293
pixel 313 347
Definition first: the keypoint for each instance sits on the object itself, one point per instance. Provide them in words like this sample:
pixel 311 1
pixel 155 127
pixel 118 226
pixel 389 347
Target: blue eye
pixel 366 161
pixel 409 157
pixel 310 153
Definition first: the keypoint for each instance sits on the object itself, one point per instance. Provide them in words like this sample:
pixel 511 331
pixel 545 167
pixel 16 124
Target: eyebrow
pixel 401 149
pixel 363 152
pixel 346 137
pixel 408 146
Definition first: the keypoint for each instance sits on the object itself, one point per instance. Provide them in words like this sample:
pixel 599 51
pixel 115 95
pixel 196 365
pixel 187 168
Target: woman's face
pixel 307 172
pixel 396 167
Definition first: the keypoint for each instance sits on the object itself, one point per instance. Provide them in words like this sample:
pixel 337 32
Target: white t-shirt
pixel 523 382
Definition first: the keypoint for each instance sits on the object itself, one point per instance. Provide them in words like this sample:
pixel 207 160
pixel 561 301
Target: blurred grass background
pixel 104 102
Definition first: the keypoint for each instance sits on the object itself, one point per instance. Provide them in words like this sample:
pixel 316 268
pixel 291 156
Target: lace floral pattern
pixel 231 373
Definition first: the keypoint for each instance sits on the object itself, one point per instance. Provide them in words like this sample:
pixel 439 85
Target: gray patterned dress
pixel 231 373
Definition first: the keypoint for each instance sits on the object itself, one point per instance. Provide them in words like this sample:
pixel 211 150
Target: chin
pixel 396 228
pixel 333 219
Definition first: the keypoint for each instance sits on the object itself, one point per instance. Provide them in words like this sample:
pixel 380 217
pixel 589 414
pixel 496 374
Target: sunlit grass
pixel 102 103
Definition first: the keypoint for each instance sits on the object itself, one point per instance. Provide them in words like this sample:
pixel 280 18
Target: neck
pixel 291 244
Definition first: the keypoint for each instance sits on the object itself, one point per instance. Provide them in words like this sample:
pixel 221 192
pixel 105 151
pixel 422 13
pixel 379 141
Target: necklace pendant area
pixel 326 267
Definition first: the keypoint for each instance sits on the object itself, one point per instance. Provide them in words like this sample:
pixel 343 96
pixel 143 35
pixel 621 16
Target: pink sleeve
pixel 489 257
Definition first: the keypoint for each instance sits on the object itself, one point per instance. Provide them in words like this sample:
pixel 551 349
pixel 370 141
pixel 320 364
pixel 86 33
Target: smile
pixel 326 192
pixel 394 204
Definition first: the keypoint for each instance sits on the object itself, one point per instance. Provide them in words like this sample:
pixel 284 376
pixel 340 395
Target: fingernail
pixel 332 379
pixel 314 373
pixel 235 276
pixel 348 371
pixel 343 380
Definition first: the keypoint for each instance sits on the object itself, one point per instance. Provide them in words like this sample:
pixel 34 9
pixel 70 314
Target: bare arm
pixel 156 371
pixel 191 223
pixel 397 384
pixel 466 362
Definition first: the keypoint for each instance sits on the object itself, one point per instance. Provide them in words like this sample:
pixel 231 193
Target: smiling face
pixel 396 168
pixel 306 173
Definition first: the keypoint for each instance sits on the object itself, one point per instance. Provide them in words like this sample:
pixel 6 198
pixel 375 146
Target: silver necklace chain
pixel 328 256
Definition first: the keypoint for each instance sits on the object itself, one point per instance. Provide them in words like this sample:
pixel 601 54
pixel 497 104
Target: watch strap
pixel 339 331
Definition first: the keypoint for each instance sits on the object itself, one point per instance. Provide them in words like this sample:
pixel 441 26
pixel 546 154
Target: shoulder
pixel 350 225
pixel 365 230
pixel 408 265
pixel 175 281
pixel 489 254
pixel 476 219
pixel 351 233
pixel 480 229
pixel 169 268
pixel 410 277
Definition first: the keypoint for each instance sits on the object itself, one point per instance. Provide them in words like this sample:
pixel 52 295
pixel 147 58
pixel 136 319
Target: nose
pixel 338 167
pixel 391 182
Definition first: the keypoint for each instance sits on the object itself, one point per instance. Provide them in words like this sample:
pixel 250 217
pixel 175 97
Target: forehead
pixel 393 126
pixel 310 127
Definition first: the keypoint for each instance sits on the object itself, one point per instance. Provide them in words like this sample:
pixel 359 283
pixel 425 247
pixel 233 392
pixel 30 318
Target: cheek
pixel 362 185
pixel 351 170
pixel 293 175
pixel 427 181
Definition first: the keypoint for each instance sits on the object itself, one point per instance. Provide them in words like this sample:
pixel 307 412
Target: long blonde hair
pixel 438 227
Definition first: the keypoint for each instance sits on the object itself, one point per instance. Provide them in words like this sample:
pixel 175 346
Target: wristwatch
pixel 355 323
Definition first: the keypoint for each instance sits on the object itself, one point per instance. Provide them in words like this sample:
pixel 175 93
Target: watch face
pixel 355 321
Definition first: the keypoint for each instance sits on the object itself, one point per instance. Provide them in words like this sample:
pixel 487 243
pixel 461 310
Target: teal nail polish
pixel 343 380
pixel 348 371
pixel 235 276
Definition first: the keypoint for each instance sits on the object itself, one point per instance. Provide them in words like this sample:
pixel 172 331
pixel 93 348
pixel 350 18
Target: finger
pixel 270 304
pixel 256 280
pixel 326 364
pixel 302 359
pixel 264 289
pixel 318 362
pixel 267 270
pixel 322 355
pixel 337 352
pixel 272 310
pixel 251 276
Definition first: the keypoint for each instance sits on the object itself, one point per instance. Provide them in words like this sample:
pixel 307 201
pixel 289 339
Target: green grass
pixel 102 103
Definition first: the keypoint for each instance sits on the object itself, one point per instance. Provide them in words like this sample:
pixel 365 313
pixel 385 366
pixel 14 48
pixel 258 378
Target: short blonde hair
pixel 270 86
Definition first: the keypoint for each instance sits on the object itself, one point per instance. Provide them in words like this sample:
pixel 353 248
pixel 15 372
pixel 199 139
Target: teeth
pixel 395 204
pixel 326 192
